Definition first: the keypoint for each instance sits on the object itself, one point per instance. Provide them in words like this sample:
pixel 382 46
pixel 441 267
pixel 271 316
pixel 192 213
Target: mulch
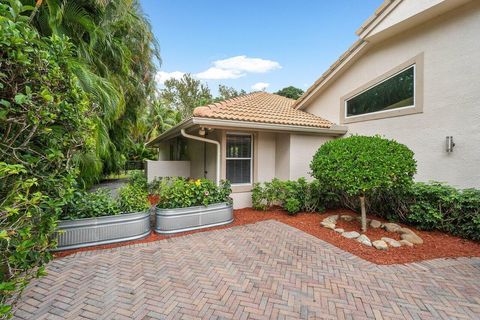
pixel 436 244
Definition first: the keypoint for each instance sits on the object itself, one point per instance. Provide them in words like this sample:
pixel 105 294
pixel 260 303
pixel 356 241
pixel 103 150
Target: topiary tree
pixel 361 165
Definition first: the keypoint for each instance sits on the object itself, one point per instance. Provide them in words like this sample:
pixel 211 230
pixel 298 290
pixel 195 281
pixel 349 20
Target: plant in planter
pixel 187 204
pixel 361 166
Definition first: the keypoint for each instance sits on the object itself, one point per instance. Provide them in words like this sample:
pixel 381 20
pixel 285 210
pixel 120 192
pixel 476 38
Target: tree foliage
pixel 225 93
pixel 46 123
pixel 290 92
pixel 113 63
pixel 185 94
pixel 361 166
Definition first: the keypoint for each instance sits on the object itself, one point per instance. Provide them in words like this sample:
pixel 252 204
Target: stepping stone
pixel 351 235
pixel 328 225
pixel 363 239
pixel 375 224
pixel 339 230
pixel 392 242
pixel 412 238
pixel 346 217
pixel 406 243
pixel 380 245
pixel 391 227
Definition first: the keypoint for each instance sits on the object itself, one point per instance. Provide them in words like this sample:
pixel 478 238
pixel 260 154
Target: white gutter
pixel 189 136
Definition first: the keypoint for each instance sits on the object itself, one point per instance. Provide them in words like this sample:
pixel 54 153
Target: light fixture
pixel 201 132
pixel 450 144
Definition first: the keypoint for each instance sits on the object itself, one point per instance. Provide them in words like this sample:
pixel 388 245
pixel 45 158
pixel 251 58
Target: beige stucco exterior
pixel 450 47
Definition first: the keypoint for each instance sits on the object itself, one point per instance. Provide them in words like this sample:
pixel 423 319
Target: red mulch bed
pixel 436 244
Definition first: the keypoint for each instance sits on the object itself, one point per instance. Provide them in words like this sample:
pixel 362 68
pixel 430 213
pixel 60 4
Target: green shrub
pixel 45 124
pixel 90 204
pixel 133 198
pixel 308 196
pixel 182 193
pixel 360 166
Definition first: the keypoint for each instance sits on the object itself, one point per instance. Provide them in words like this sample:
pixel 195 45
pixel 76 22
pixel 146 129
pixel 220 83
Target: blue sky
pixel 244 43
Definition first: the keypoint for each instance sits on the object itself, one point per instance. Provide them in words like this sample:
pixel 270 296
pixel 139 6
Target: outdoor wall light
pixel 450 144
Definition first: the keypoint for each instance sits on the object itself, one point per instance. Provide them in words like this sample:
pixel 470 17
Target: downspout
pixel 189 136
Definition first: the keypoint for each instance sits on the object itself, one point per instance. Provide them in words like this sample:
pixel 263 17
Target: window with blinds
pixel 239 158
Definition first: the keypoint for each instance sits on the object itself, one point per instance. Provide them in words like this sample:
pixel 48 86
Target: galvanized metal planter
pixel 191 218
pixel 102 230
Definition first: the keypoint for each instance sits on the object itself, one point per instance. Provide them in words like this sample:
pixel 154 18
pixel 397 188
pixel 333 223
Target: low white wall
pixel 241 200
pixel 156 169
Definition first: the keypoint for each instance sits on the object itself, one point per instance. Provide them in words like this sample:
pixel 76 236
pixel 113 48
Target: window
pixel 396 92
pixel 239 158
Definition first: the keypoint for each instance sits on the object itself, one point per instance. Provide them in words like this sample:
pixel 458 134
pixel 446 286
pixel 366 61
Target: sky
pixel 254 45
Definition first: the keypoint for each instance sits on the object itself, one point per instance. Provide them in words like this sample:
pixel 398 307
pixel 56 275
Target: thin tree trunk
pixel 364 214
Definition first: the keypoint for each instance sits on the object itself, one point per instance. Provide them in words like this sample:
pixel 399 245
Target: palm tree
pixel 114 64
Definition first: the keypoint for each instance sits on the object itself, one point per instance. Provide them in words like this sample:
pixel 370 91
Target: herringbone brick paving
pixel 267 270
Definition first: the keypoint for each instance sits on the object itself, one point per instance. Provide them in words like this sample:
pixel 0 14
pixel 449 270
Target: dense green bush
pixel 360 166
pixel 133 198
pixel 293 196
pixel 90 204
pixel 44 125
pixel 182 193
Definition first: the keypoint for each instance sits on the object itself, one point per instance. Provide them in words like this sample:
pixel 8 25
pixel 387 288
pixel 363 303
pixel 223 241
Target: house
pixel 413 76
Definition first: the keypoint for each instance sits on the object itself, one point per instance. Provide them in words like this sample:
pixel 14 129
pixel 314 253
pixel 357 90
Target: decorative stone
pixel 339 230
pixel 392 242
pixel 405 230
pixel 328 225
pixel 406 243
pixel 375 224
pixel 380 245
pixel 363 239
pixel 392 227
pixel 351 234
pixel 331 219
pixel 412 238
pixel 346 217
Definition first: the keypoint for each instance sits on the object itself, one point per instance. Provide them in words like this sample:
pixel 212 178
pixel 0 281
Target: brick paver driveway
pixel 266 270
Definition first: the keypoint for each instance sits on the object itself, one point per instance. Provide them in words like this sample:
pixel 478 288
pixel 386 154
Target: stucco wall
pixel 302 149
pixel 451 95
pixel 265 156
pixel 158 169
pixel 282 156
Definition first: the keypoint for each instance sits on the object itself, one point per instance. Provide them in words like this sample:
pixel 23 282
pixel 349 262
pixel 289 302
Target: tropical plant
pixel 45 124
pixel 89 205
pixel 361 166
pixel 113 63
pixel 159 119
pixel 290 92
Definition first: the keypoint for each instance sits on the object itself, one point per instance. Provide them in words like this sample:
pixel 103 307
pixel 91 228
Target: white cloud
pixel 236 67
pixel 215 73
pixel 163 76
pixel 260 86
pixel 246 64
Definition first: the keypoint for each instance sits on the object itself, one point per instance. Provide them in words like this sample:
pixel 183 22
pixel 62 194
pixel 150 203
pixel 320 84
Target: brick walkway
pixel 267 270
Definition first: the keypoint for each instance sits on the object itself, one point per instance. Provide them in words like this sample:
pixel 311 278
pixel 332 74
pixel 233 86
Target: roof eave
pixel 171 133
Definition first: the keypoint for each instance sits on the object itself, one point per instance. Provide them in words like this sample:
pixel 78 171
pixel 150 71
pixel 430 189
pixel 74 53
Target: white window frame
pixel 243 158
pixel 378 83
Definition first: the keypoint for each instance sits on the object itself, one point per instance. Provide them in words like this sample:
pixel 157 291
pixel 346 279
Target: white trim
pixel 378 83
pixel 243 158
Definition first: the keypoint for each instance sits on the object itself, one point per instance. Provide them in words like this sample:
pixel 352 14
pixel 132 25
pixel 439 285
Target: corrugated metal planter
pixel 191 218
pixel 102 230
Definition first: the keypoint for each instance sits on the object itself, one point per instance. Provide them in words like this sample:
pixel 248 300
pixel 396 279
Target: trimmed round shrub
pixel 362 165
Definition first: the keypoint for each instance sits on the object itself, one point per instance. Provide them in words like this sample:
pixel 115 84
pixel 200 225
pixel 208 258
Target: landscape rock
pixel 412 238
pixel 391 227
pixel 351 234
pixel 339 230
pixel 346 217
pixel 363 239
pixel 375 224
pixel 406 243
pixel 328 225
pixel 392 242
pixel 405 230
pixel 331 219
pixel 380 245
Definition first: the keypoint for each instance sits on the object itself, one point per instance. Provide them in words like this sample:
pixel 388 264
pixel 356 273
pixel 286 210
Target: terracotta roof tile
pixel 261 107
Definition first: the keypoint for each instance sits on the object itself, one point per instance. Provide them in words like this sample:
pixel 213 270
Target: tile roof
pixel 261 107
